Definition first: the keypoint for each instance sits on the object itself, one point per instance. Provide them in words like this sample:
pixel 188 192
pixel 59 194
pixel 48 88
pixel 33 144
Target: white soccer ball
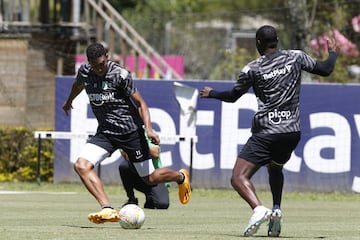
pixel 131 216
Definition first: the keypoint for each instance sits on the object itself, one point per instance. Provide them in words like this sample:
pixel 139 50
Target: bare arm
pixel 75 90
pixel 145 115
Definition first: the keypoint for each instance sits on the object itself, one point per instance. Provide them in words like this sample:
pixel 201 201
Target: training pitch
pixel 29 211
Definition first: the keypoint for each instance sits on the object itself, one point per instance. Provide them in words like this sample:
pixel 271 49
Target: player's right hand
pixel 204 93
pixel 67 107
pixel 154 138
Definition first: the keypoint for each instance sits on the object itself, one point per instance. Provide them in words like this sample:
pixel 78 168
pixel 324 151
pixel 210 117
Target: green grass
pixel 60 212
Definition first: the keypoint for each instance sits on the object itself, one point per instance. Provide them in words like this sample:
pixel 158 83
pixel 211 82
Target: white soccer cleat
pixel 261 214
pixel 275 223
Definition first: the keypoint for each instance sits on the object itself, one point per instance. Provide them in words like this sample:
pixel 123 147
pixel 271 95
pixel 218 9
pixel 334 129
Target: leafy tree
pixel 178 27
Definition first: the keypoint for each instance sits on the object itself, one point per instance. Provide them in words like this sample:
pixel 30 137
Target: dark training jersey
pixel 109 98
pixel 275 79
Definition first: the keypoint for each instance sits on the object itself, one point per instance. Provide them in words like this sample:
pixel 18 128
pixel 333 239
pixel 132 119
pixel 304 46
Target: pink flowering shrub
pixel 346 46
pixel 355 22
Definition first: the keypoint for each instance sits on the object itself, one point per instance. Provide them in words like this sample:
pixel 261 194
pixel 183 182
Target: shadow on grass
pixel 265 236
pixel 107 227
pixel 84 227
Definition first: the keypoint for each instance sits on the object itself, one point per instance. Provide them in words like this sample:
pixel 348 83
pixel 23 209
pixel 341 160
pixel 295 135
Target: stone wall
pixel 26 84
pixel 40 87
pixel 13 73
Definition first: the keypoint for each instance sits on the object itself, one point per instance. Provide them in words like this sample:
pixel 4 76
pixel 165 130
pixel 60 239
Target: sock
pixel 183 179
pixel 107 206
pixel 276 207
pixel 258 208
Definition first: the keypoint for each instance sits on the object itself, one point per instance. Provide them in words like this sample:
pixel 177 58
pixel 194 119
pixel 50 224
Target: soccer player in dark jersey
pixel 156 196
pixel 275 78
pixel 116 103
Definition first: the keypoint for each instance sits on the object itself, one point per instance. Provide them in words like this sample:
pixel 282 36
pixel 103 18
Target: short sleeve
pixel 82 74
pixel 307 63
pixel 126 82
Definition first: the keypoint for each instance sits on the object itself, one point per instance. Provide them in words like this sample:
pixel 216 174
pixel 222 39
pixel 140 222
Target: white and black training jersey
pixel 275 79
pixel 109 98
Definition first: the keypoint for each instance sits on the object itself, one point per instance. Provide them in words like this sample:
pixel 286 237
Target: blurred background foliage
pixel 204 31
pixel 19 156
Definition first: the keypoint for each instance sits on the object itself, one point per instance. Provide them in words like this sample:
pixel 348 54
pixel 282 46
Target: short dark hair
pixel 267 36
pixel 94 51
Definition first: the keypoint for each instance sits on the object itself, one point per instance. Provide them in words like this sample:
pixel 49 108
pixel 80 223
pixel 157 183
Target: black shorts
pixel 134 144
pixel 261 149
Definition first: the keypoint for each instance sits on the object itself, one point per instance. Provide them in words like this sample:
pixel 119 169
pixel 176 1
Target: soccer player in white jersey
pixel 121 113
pixel 275 78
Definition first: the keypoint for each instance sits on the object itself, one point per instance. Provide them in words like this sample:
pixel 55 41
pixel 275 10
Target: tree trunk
pixel 298 20
pixel 298 26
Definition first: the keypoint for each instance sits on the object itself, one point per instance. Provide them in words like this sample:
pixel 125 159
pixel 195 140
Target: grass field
pixel 29 211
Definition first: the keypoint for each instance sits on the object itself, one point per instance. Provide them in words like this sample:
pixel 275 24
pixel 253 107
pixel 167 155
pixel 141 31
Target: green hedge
pixel 19 156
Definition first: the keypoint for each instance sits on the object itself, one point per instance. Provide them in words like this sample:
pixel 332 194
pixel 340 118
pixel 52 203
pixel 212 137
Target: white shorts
pixel 96 154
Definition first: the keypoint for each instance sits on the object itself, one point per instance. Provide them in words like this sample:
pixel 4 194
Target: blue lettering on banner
pixel 326 158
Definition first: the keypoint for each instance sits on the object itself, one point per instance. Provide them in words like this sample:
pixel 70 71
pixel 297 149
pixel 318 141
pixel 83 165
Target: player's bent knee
pixel 162 205
pixel 274 166
pixel 233 181
pixel 237 180
pixel 82 165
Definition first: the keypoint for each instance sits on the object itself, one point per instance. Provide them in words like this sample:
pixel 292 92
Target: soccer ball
pixel 131 216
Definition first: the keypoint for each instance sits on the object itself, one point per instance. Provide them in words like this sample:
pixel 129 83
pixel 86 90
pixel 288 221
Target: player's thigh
pixel 136 146
pixel 93 153
pixel 282 147
pixel 257 150
pixel 144 168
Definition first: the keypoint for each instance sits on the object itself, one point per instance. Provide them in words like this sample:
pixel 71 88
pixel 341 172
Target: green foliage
pixel 19 156
pixel 170 26
pixel 233 63
pixel 150 18
pixel 341 74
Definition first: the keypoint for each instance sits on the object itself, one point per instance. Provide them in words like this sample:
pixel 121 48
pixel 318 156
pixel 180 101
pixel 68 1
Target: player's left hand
pixel 155 139
pixel 332 46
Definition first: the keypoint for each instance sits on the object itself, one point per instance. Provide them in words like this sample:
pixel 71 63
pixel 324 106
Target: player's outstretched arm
pixel 226 96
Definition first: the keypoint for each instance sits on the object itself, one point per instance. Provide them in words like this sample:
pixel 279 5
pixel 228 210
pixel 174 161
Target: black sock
pixel 183 179
pixel 107 206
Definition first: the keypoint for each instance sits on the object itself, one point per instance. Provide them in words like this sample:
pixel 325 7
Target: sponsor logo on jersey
pixel 275 117
pixel 277 72
pixel 104 86
pixel 98 99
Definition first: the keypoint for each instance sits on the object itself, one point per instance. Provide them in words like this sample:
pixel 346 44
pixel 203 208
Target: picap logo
pixel 276 116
